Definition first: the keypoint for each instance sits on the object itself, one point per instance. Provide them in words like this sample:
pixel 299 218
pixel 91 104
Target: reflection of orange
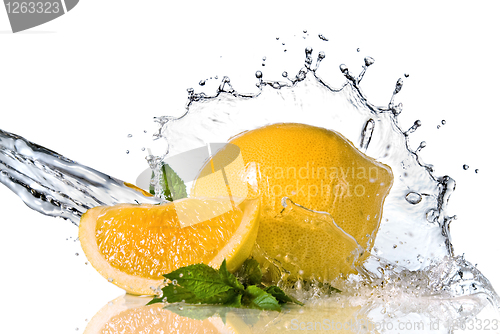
pixel 134 245
pixel 128 314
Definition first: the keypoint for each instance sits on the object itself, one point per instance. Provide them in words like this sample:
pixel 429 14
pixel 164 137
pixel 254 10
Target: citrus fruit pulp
pixel 134 245
pixel 316 168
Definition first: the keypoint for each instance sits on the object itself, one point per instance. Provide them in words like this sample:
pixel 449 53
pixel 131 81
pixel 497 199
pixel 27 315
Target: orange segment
pixel 134 245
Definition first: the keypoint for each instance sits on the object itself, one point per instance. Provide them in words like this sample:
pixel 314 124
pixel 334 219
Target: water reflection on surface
pixel 128 314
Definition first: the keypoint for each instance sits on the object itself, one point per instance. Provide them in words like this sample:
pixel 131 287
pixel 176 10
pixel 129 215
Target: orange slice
pixel 134 245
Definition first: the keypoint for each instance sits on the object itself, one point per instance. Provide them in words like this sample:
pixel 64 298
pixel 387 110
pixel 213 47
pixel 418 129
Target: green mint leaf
pixel 255 297
pixel 229 278
pixel 235 301
pixel 202 284
pixel 281 296
pixel 334 290
pixel 249 273
pixel 327 288
pixel 198 312
pixel 174 187
pixel 155 301
pixel 198 283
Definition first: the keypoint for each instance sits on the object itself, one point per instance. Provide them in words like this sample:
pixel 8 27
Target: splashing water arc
pixel 306 98
pixel 413 240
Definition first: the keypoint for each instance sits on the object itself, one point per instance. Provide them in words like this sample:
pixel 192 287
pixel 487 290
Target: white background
pixel 80 84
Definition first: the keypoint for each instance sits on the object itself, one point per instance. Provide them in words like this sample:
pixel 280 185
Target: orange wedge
pixel 132 246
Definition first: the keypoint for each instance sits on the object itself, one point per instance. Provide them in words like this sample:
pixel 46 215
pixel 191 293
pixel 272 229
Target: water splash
pixel 414 236
pixel 55 185
pixel 412 255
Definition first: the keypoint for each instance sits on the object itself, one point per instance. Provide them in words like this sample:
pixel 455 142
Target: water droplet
pixel 305 31
pixel 432 216
pixel 258 74
pixel 277 38
pixel 421 146
pixel 264 58
pixel 477 170
pixel 127 151
pixel 466 167
pixel 397 109
pixel 202 83
pixel 181 274
pixel 406 75
pixel 443 122
pixel 145 131
pixel 86 263
pixel 308 60
pixel 143 149
pixel 367 133
pixel 77 254
pixel 413 198
pixel 129 135
pixel 414 127
pixel 174 282
pixel 358 49
pixel 323 38
pixel 369 61
pixel 110 280
pixel 301 75
pixel 394 246
pixel 284 74
pixel 399 85
pixel 343 68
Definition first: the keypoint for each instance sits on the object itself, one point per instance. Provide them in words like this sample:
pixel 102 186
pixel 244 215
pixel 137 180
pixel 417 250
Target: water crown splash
pixel 413 246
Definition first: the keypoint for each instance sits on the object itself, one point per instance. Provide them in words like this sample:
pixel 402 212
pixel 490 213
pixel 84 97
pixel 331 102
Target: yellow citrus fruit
pixel 134 245
pixel 315 168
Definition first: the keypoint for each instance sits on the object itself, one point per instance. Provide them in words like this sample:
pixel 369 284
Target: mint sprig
pixel 174 187
pixel 202 284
